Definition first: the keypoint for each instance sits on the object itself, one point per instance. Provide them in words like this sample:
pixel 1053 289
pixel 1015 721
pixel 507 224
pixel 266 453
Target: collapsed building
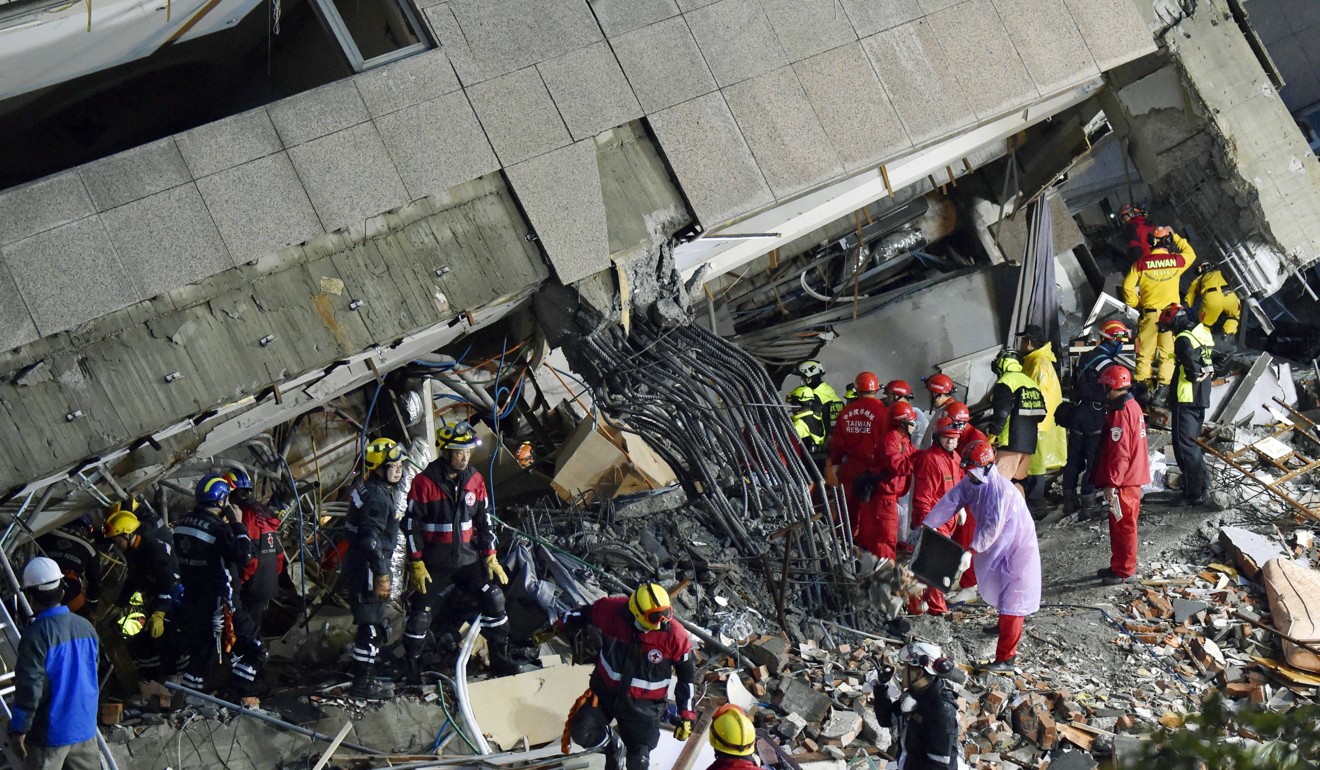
pixel 607 230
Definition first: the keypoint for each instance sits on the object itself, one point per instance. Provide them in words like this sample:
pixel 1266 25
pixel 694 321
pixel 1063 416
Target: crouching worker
pixel 926 710
pixel 733 736
pixel 1004 542
pixel 642 648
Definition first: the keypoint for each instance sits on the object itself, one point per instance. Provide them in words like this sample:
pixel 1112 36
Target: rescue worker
pixel 849 394
pixel 1038 363
pixel 152 572
pixel 962 534
pixel 733 736
pixel 1086 425
pixel 53 716
pixel 642 648
pixel 879 491
pixel 374 512
pixel 855 442
pixel 1192 348
pixel 1137 231
pixel 940 388
pixel 899 390
pixel 1150 286
pixel 962 417
pixel 71 547
pixel 808 416
pixel 451 543
pixel 935 470
pixel 1213 298
pixel 261 575
pixel 1004 545
pixel 1014 425
pixel 212 543
pixel 813 376
pixel 926 711
pixel 1122 469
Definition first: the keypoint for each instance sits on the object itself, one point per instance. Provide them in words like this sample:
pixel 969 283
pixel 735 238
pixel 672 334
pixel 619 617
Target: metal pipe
pixel 16 585
pixel 263 717
pixel 105 751
pixel 461 691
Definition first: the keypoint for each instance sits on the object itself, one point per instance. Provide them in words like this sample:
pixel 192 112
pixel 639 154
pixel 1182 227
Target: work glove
pixel 683 729
pixel 885 674
pixel 494 571
pixel 420 575
pixel 964 564
pixel 383 586
pixel 156 624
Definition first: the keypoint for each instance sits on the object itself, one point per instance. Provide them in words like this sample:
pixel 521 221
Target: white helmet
pixel 42 574
pixel 809 369
pixel 925 655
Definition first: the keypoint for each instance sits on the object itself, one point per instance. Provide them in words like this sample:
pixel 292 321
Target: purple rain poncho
pixel 1007 557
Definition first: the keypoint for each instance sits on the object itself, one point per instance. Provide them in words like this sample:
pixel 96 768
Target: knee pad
pixel 590 729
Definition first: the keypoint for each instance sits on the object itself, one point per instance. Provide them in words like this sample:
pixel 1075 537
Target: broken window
pixel 372 32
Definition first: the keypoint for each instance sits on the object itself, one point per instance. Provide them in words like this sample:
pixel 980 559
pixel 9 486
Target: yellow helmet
pixel 130 505
pixel 383 451
pixel 121 522
pixel 456 435
pixel 650 606
pixel 731 732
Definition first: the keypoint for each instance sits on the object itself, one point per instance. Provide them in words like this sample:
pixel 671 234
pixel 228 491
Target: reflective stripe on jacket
pixel 1193 389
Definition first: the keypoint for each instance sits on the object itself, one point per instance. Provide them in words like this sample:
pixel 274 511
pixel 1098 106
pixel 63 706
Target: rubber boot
pixel 367 687
pixel 501 662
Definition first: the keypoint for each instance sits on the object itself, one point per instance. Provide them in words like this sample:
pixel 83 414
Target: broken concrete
pixel 1249 550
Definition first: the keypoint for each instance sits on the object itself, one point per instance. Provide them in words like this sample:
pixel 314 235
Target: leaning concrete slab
pixel 1114 30
pixel 167 240
pixel 259 207
pixel 809 27
pixel 1049 42
pixel 872 16
pixel 436 144
pixel 134 174
pixel 42 205
pixel 663 64
pixel 736 39
pixel 619 16
pixel 561 193
pixel 496 37
pixel 319 112
pixel 926 94
pixel 348 176
pixel 782 129
pixel 16 325
pixel 404 83
pixel 852 106
pixel 977 47
pixel 590 90
pixel 227 143
pixel 519 116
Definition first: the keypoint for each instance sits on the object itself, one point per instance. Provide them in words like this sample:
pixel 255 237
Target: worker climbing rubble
pixel 1150 286
pixel 1086 419
pixel 1122 469
pixel 642 648
pixel 733 736
pixel 1018 409
pixel 1212 298
pixel 152 573
pixel 922 706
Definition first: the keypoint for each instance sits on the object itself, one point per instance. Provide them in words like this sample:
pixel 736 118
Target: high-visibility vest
pixel 1030 402
pixel 1204 343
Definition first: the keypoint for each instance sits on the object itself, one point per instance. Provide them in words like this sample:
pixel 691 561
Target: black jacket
pixel 929 731
pixel 72 549
pixel 373 525
pixel 152 571
pixel 210 552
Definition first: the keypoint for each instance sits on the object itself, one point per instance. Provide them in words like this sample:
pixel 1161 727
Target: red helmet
pixel 1169 313
pixel 898 388
pixel 958 412
pixel 978 455
pixel 1115 330
pixel 902 411
pixel 1116 377
pixel 939 383
pixel 947 428
pixel 867 382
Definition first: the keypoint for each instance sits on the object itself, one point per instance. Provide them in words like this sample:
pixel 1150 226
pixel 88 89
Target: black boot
pixel 501 662
pixel 1070 504
pixel 367 687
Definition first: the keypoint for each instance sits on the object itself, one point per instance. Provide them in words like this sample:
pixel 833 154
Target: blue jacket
pixel 56 675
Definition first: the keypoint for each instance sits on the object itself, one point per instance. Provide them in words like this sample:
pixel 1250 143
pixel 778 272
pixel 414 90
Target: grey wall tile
pixel 43 204
pixel 69 275
pixel 494 37
pixel 167 240
pixel 711 159
pixel 782 129
pixel 913 69
pixel 1301 14
pixel 663 64
pixel 16 326
pixel 590 90
pixel 977 48
pixel 872 16
pixel 619 16
pixel 561 194
pixel 230 142
pixel 406 82
pixel 808 27
pixel 1049 43
pixel 736 39
pixel 1302 85
pixel 134 174
pixel 319 112
pixel 1268 19
pixel 692 5
pixel 259 207
pixel 853 107
pixel 1114 30
pixel 935 6
pixel 437 144
pixel 518 115
pixel 348 176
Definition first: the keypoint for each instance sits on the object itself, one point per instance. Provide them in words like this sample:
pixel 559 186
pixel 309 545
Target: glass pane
pixel 377 26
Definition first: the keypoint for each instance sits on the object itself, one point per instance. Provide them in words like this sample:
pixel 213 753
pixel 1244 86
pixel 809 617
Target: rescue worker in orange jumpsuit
pixel 854 446
pixel 877 526
pixel 1121 471
pixel 935 470
pixel 1152 284
pixel 1216 299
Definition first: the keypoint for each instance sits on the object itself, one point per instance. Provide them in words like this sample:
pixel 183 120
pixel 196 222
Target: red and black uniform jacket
pixel 448 523
pixel 895 462
pixel 934 472
pixel 1124 458
pixel 856 438
pixel 634 666
pixel 726 762
pixel 261 575
pixel 1138 235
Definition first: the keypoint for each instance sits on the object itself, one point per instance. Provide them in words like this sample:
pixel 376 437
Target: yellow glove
pixel 1230 327
pixel 494 571
pixel 420 575
pixel 682 730
pixel 156 624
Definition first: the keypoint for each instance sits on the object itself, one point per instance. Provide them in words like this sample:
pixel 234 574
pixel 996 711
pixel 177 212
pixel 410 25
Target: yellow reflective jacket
pixel 1152 281
pixel 1052 439
pixel 833 404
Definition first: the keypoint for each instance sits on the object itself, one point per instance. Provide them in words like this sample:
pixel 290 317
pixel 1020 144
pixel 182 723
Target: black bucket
pixel 935 560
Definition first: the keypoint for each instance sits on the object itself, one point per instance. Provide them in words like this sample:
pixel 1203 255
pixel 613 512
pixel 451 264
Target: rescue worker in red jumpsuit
pixel 878 492
pixel 935 470
pixel 642 648
pixel 1137 231
pixel 261 575
pixel 733 736
pixel 1121 471
pixel 854 447
pixel 962 534
pixel 940 388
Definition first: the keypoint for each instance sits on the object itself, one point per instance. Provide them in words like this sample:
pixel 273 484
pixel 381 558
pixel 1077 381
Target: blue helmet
pixel 213 490
pixel 238 479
